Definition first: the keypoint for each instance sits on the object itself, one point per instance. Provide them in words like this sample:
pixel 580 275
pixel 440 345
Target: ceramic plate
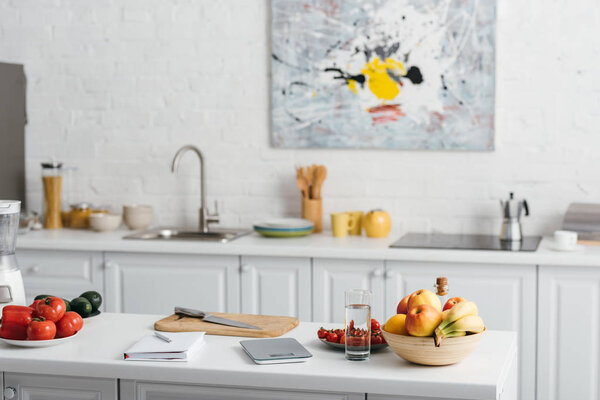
pixel 93 314
pixel 286 223
pixel 374 347
pixel 283 233
pixel 38 343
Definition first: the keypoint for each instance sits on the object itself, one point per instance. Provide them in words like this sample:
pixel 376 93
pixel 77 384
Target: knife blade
pixel 189 312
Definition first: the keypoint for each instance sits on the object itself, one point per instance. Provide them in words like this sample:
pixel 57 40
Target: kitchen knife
pixel 189 312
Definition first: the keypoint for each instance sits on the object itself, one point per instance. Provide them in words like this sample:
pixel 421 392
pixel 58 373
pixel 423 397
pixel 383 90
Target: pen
pixel 162 337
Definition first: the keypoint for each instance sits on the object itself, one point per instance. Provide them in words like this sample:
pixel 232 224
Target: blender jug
pixel 11 281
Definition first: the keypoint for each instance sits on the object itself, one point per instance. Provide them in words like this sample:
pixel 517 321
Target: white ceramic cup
pixel 565 240
pixel 137 217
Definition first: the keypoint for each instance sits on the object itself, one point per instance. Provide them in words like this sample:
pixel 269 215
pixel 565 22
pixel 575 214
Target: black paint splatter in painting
pixel 414 75
pixel 360 78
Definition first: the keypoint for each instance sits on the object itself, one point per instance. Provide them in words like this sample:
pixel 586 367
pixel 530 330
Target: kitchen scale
pixel 465 242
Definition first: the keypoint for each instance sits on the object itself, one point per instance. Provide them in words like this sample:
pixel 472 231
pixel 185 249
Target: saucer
pixel 573 249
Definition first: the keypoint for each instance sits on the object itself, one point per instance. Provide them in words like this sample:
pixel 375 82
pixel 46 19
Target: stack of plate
pixel 285 227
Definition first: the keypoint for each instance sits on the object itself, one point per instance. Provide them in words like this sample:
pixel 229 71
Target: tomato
pixel 333 337
pixel 69 325
pixel 376 339
pixel 20 315
pixel 51 308
pixel 356 341
pixel 343 339
pixel 41 329
pixel 375 325
pixel 322 333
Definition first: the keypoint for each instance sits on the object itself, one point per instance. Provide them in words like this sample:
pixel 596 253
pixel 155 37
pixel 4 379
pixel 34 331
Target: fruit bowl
pixel 422 350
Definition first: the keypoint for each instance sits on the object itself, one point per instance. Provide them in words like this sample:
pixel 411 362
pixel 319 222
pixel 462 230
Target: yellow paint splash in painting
pixel 379 81
pixel 352 86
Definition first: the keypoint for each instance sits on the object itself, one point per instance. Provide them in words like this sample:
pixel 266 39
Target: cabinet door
pixel 61 273
pixel 135 390
pixel 276 286
pixel 156 283
pixel 568 325
pixel 47 387
pixel 332 277
pixel 506 296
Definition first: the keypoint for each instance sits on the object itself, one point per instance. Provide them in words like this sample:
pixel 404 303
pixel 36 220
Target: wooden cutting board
pixel 272 326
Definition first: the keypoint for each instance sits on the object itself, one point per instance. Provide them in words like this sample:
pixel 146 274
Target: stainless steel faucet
pixel 205 217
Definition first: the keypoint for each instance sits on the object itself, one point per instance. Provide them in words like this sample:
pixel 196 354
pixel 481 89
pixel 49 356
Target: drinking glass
pixel 358 324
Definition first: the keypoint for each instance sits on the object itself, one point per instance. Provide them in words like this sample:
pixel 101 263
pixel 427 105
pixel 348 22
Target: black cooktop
pixel 465 242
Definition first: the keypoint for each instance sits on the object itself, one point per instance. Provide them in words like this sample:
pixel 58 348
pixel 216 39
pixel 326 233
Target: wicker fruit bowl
pixel 422 350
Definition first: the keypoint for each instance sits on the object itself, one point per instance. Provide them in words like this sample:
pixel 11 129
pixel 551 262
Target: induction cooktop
pixel 465 242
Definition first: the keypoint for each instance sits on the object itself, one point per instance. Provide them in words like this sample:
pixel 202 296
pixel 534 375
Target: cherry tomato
pixel 376 339
pixel 343 339
pixel 375 325
pixel 51 309
pixel 69 325
pixel 333 337
pixel 41 329
pixel 356 341
pixel 322 333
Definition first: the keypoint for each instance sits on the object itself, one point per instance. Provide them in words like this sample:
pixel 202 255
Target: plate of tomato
pixel 45 323
pixel 356 337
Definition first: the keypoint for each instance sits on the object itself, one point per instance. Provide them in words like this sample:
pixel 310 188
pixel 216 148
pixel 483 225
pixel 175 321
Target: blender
pixel 12 290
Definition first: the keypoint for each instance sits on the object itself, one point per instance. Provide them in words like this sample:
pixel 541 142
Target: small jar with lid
pixel 79 216
pixel 52 183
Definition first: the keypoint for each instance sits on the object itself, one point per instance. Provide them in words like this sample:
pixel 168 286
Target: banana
pixel 460 327
pixel 457 312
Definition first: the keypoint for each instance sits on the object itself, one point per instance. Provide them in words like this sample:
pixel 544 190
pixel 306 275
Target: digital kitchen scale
pixel 465 242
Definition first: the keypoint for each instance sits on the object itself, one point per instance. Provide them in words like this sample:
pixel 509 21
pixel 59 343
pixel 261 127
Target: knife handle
pixel 189 312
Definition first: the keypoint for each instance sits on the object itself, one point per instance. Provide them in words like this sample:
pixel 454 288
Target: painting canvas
pixel 398 74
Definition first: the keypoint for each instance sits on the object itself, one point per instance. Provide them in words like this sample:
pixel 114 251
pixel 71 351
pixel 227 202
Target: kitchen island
pixel 92 366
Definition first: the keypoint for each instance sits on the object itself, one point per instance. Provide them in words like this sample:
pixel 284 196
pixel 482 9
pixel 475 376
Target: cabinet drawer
pixel 57 265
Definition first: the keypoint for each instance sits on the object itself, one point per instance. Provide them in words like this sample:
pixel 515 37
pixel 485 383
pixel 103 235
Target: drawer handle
pixel 34 270
pixel 246 268
pixel 378 272
pixel 389 274
pixel 10 393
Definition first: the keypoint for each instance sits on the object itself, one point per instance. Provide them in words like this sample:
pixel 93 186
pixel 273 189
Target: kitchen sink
pixel 222 235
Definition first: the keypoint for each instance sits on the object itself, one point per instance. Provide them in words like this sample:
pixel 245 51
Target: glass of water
pixel 358 324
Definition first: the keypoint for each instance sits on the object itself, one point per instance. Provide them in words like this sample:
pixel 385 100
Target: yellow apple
pixel 424 296
pixel 377 223
pixel 422 320
pixel 396 324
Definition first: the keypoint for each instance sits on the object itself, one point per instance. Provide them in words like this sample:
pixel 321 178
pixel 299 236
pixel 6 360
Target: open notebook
pixel 183 347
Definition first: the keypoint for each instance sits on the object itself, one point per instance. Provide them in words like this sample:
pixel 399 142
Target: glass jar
pixel 52 183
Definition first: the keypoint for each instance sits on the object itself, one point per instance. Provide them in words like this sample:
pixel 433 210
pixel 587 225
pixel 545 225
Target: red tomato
pixel 375 325
pixel 51 308
pixel 69 325
pixel 322 333
pixel 343 339
pixel 376 339
pixel 40 329
pixel 356 341
pixel 333 337
pixel 19 315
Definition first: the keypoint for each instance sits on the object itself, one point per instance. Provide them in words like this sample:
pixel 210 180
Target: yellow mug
pixel 341 224
pixel 356 216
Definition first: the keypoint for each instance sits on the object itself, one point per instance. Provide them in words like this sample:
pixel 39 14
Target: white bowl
pixel 138 217
pixel 101 222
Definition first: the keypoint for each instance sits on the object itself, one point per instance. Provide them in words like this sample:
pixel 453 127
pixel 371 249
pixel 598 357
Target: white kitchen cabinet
pixel 49 387
pixel 61 273
pixel 276 286
pixel 136 390
pixel 332 277
pixel 506 296
pixel 156 283
pixel 568 339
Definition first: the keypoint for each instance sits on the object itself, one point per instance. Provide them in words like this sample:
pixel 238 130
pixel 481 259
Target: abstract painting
pixel 397 74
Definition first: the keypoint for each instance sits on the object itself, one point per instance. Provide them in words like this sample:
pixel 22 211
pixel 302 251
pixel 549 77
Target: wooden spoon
pixel 320 173
pixel 302 182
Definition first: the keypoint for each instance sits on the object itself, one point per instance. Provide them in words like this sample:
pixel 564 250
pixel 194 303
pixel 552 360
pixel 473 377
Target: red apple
pixel 422 320
pixel 403 306
pixel 452 302
pixel 424 296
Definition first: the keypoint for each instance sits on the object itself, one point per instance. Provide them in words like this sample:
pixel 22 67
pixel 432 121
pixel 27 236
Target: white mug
pixel 565 240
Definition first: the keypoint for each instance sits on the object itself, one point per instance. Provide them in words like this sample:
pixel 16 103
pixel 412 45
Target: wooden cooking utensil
pixel 320 173
pixel 302 183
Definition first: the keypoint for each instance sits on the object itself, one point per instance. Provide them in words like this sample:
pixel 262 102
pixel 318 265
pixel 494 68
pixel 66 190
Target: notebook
pixel 183 347
pixel 275 351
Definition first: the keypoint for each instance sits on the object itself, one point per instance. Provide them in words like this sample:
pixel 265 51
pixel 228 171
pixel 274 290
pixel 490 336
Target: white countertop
pixel 98 349
pixel 322 245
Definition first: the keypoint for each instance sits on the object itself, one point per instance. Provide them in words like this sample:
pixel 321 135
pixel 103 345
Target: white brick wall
pixel 116 87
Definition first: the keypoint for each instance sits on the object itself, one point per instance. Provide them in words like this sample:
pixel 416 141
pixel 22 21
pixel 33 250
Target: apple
pixel 422 320
pixel 377 223
pixel 403 306
pixel 452 302
pixel 396 324
pixel 424 296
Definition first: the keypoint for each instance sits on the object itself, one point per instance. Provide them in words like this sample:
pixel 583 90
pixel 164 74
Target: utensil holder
pixel 312 210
